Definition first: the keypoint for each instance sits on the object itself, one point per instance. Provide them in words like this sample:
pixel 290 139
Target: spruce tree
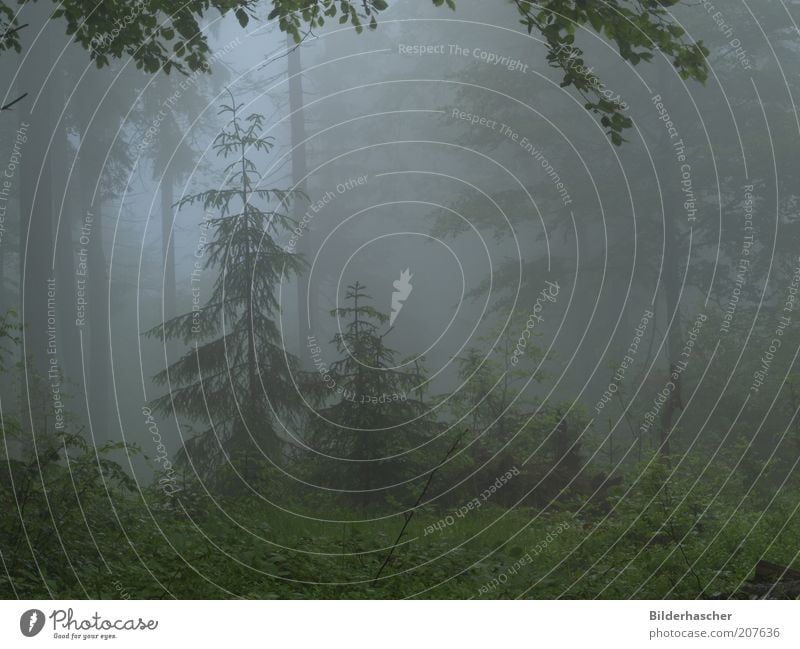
pixel 374 410
pixel 237 375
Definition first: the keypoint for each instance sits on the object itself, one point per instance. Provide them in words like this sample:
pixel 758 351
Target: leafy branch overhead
pixel 293 15
pixel 156 34
pixel 162 35
pixel 639 29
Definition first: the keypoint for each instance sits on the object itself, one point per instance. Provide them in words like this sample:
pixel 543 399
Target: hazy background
pixel 473 215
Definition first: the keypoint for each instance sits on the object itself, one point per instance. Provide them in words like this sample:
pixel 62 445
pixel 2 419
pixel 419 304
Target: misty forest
pixel 399 299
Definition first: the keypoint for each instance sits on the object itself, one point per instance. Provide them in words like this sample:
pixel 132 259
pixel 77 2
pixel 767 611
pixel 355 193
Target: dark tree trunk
pixel 168 254
pixel 68 219
pixel 673 274
pixel 674 258
pixel 34 175
pixel 306 303
pixel 96 337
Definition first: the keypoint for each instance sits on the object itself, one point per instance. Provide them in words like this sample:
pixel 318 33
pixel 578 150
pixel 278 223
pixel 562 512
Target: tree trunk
pixel 33 176
pixel 672 287
pixel 673 257
pixel 96 337
pixel 169 295
pixel 306 303
pixel 68 219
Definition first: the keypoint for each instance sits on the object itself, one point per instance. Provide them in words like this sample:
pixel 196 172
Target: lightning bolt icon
pixel 32 621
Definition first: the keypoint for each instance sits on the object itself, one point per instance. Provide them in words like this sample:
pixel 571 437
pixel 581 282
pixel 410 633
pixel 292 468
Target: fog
pixel 642 293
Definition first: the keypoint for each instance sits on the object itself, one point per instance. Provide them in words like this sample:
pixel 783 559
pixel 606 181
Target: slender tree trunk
pixel 251 334
pixel 96 338
pixel 306 303
pixel 168 254
pixel 252 393
pixel 611 444
pixel 69 220
pixel 100 321
pixel 34 177
pixel 10 232
pixel 674 256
